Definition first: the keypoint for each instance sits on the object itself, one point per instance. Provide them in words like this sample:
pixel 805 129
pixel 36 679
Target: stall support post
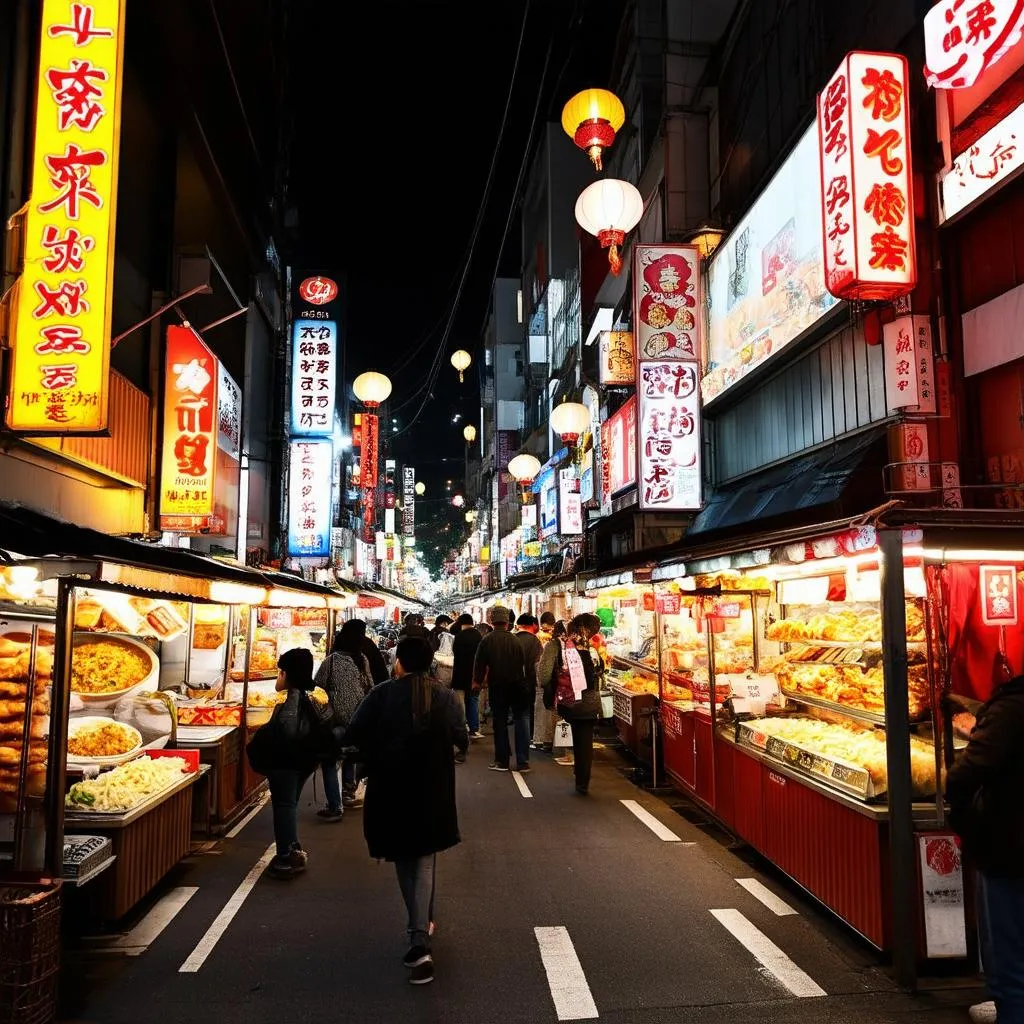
pixel 57 752
pixel 902 872
pixel 243 728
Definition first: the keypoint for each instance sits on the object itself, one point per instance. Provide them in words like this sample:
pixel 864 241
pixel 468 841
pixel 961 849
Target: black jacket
pixel 985 787
pixel 500 664
pixel 378 666
pixel 532 651
pixel 410 806
pixel 464 646
pixel 423 632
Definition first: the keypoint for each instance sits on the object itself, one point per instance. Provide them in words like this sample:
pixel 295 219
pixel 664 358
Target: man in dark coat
pixel 466 641
pixel 407 731
pixel 501 667
pixel 527 628
pixel 985 789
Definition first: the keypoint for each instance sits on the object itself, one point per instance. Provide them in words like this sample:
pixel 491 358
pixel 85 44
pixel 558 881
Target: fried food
pixel 106 666
pixel 102 739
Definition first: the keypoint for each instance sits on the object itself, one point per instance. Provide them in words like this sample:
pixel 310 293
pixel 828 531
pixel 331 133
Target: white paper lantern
pixel 609 209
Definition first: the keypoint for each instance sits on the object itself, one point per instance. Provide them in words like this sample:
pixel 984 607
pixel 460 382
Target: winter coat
pixel 409 809
pixel 345 683
pixel 378 666
pixel 985 785
pixel 500 664
pixel 533 650
pixel 464 646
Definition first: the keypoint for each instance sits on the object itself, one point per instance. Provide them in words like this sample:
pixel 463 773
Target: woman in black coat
pixel 407 731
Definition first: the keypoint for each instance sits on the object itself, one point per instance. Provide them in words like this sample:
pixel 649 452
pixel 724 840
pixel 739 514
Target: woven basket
pixel 29 953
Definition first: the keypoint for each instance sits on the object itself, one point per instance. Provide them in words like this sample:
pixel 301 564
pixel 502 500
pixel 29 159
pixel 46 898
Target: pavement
pixel 611 907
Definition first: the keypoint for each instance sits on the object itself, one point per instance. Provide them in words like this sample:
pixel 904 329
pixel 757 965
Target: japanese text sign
pixel 669 436
pixel 618 451
pixel 408 501
pixel 998 594
pixel 190 430
pixel 61 313
pixel 368 451
pixel 666 301
pixel 867 203
pixel 992 160
pixel 963 38
pixel 617 358
pixel 909 365
pixel 309 498
pixel 570 509
pixel 314 372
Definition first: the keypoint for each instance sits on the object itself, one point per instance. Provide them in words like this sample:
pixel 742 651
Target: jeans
pixel 1001 924
pixel 473 710
pixel 285 788
pixel 416 880
pixel 332 787
pixel 582 750
pixel 521 724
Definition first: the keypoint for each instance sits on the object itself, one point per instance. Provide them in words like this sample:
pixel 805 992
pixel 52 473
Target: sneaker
pixel 582 790
pixel 565 760
pixel 431 928
pixel 495 767
pixel 329 814
pixel 351 801
pixel 460 758
pixel 522 767
pixel 289 864
pixel 478 735
pixel 422 975
pixel 983 1013
pixel 416 955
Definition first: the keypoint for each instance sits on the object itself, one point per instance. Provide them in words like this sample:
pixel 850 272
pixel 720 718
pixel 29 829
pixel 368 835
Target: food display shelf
pixel 121 819
pixel 828 705
pixel 851 779
pixel 863 645
pixel 641 666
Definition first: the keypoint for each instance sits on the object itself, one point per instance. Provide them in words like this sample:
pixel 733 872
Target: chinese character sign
pixel 666 301
pixel 408 501
pixel 229 414
pixel 369 451
pixel 618 451
pixel 909 365
pixel 569 505
pixel 867 204
pixel 617 358
pixel 998 594
pixel 314 370
pixel 61 314
pixel 669 436
pixel 309 498
pixel 963 38
pixel 190 430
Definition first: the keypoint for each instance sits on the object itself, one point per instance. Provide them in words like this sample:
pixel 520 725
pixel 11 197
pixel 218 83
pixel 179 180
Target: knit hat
pixel 499 615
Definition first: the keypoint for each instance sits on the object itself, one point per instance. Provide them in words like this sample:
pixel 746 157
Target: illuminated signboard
pixel 408 501
pixel 867 202
pixel 962 40
pixel 60 318
pixel 314 377
pixel 190 428
pixel 666 301
pixel 618 451
pixel 617 358
pixel 310 467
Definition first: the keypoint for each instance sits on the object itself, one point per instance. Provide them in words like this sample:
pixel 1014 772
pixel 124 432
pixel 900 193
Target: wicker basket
pixel 29 953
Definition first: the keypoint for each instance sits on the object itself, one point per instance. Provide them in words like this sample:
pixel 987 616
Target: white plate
pixel 107 700
pixel 75 724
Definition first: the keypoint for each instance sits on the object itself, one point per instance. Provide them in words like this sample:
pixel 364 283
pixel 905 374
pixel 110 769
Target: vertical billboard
pixel 229 452
pixel 408 501
pixel 309 498
pixel 666 301
pixel 61 310
pixel 190 429
pixel 314 377
pixel 618 452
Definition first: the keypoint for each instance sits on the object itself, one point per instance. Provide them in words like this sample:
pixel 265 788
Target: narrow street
pixel 554 907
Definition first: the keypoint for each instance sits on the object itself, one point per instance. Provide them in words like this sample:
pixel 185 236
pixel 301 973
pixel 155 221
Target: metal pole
pixel 902 873
pixel 60 702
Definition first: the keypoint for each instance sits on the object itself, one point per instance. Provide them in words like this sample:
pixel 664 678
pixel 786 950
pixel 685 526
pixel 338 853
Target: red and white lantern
pixel 867 202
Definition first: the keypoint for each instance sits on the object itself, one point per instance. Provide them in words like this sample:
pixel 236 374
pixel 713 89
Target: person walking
pixel 442 624
pixel 500 666
pixel 345 677
pixel 547 627
pixel 407 731
pixel 371 652
pixel 527 628
pixel 984 790
pixel 413 626
pixel 544 717
pixel 467 640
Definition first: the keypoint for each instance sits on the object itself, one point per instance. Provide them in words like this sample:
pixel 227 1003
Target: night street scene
pixel 512 512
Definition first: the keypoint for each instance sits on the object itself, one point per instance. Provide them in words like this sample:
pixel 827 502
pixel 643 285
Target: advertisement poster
pixel 618 451
pixel 666 301
pixel 309 498
pixel 766 282
pixel 569 505
pixel 669 435
pixel 548 503
pixel 617 358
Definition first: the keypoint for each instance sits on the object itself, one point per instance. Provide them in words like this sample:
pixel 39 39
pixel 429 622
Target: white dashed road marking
pixel 768 955
pixel 252 814
pixel 568 984
pixel 136 941
pixel 761 892
pixel 524 789
pixel 661 831
pixel 198 956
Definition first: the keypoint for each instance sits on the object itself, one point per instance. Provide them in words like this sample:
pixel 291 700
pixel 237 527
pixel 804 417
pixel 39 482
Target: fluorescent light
pixel 279 597
pixel 224 592
pixel 971 555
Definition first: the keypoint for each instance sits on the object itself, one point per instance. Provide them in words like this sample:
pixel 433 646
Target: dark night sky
pixel 409 96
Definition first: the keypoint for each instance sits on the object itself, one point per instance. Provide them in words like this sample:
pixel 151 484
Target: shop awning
pixel 841 481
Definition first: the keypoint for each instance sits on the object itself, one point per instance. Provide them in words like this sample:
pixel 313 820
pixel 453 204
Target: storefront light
pixel 280 597
pixel 971 555
pixel 224 592
pixel 341 602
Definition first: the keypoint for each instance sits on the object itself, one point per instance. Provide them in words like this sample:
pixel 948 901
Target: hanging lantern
pixel 471 516
pixel 469 433
pixel 421 488
pixel 371 388
pixel 524 469
pixel 570 421
pixel 458 501
pixel 706 238
pixel 591 119
pixel 609 209
pixel 461 360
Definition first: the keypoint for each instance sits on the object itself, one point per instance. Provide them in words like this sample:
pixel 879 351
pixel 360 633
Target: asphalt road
pixel 554 907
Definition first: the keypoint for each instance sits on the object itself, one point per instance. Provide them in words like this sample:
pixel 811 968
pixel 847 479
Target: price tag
pixel 755 691
pixel 668 604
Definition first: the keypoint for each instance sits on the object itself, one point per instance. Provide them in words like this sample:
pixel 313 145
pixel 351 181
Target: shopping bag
pixel 444 660
pixel 563 735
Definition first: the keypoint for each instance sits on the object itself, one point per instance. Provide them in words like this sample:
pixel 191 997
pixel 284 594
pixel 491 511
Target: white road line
pixel 761 892
pixel 660 830
pixel 138 939
pixel 524 789
pixel 568 984
pixel 198 956
pixel 768 955
pixel 252 814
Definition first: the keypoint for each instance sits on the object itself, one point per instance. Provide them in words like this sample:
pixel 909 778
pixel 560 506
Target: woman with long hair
pixel 407 731
pixel 345 677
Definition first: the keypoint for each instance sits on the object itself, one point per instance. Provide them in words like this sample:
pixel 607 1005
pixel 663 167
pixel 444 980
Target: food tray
pixel 864 645
pixel 847 778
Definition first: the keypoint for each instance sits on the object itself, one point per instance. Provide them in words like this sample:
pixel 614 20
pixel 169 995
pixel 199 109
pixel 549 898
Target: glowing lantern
pixel 570 420
pixel 458 501
pixel 609 209
pixel 421 488
pixel 471 516
pixel 524 469
pixel 469 433
pixel 461 360
pixel 591 119
pixel 371 388
pixel 706 238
